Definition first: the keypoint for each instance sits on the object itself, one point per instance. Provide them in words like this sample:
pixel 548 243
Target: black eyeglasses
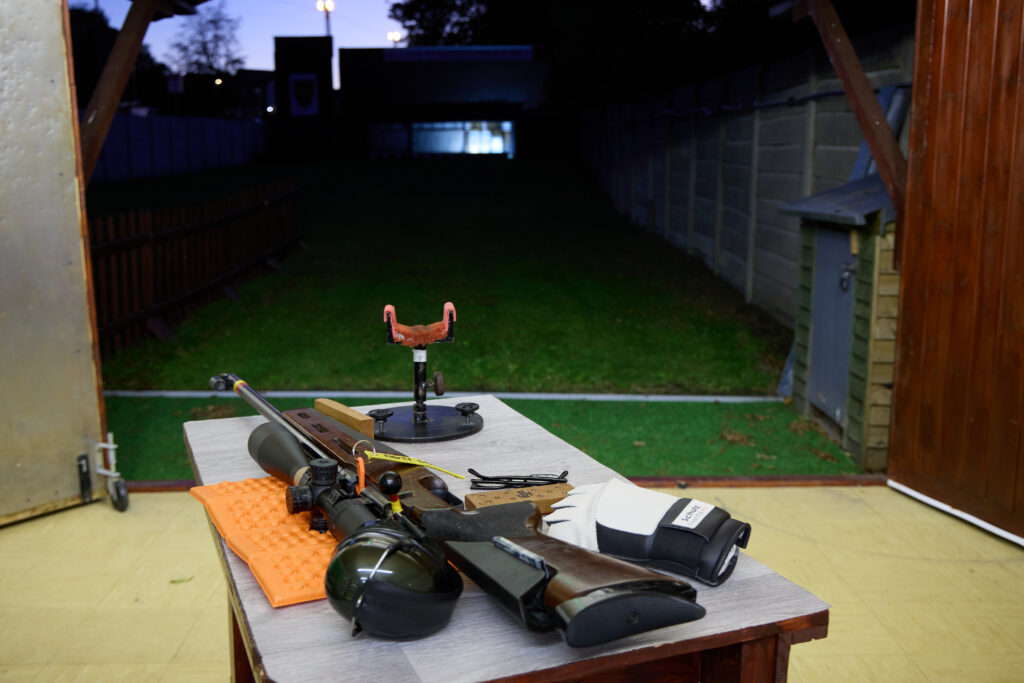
pixel 515 481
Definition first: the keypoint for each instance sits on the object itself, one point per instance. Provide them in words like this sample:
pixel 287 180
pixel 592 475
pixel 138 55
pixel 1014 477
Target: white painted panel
pixel 48 374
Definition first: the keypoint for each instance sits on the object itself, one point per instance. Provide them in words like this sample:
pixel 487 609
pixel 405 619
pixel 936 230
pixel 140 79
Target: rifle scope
pixel 385 576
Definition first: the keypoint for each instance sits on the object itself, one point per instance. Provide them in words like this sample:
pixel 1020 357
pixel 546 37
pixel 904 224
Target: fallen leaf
pixel 828 457
pixel 182 580
pixel 639 443
pixel 211 412
pixel 736 437
pixel 765 456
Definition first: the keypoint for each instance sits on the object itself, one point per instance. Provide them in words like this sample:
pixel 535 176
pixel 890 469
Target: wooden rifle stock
pixel 545 583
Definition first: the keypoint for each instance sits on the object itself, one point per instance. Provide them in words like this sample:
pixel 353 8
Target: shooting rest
pixel 420 423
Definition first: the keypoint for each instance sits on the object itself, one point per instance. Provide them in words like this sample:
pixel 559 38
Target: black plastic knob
pixel 298 499
pixel 318 523
pixel 438 384
pixel 323 472
pixel 467 409
pixel 380 414
pixel 389 483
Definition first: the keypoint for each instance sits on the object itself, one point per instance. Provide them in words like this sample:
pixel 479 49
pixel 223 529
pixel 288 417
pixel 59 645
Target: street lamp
pixel 395 37
pixel 326 6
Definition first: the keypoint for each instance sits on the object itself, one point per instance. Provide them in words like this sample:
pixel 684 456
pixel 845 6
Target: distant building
pixel 303 127
pixel 439 100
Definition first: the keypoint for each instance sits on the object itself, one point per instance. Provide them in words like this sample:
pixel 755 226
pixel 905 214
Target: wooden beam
pixel 892 166
pixel 99 113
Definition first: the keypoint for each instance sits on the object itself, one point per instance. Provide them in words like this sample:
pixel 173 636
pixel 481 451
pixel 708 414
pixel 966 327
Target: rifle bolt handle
pixel 389 483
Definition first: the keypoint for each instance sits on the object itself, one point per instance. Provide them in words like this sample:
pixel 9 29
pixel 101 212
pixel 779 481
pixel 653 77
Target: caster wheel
pixel 118 494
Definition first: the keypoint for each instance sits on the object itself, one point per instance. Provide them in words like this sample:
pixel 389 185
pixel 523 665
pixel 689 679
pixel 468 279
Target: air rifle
pixel 401 530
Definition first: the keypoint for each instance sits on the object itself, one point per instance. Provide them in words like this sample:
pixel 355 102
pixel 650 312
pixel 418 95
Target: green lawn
pixel 636 439
pixel 554 292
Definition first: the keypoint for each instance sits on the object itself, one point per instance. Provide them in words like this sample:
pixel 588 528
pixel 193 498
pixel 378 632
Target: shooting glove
pixel 682 535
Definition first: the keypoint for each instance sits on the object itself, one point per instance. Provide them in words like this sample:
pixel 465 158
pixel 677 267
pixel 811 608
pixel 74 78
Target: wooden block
pixel 888 307
pixel 878 437
pixel 880 395
pixel 885 328
pixel 879 416
pixel 889 284
pixel 541 496
pixel 345 415
pixel 882 372
pixel 884 351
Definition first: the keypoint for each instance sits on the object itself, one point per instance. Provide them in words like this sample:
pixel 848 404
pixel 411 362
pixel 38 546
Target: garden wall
pixel 706 165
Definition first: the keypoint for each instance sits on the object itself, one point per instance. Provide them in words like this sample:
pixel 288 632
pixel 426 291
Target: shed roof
pixel 848 204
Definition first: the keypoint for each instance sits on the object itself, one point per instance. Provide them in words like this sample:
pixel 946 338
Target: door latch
pixel 847 270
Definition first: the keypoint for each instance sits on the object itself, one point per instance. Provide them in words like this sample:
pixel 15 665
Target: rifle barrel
pixel 265 408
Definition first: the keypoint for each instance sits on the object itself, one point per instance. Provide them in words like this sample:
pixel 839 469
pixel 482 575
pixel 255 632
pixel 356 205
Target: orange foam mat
pixel 287 559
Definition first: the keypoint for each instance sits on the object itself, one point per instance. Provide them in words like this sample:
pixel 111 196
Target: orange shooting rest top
pixel 420 335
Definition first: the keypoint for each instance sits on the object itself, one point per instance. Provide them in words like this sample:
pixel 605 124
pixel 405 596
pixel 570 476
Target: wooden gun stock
pixel 545 583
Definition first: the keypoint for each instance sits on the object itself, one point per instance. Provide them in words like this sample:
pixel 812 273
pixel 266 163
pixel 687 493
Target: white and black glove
pixel 683 535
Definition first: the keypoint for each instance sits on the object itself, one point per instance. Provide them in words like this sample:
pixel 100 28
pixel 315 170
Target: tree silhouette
pixel 206 43
pixel 92 39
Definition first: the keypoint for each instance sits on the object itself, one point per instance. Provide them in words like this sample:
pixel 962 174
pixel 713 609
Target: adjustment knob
pixel 389 483
pixel 323 472
pixel 298 499
pixel 438 384
pixel 318 522
pixel 380 416
pixel 467 409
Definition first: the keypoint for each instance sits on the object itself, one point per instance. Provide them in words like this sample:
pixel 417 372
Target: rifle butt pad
pixel 592 598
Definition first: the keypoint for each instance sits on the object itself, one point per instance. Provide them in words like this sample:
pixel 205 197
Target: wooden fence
pixel 151 266
pixel 153 146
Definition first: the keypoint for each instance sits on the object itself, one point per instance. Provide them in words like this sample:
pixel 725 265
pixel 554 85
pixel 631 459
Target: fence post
pixel 692 192
pixel 752 225
pixel 667 208
pixel 146 262
pixel 809 132
pixel 649 218
pixel 719 185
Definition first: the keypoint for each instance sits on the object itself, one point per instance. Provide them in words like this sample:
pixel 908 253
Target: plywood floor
pixel 89 594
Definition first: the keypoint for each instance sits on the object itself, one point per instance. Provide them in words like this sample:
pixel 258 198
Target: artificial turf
pixel 636 439
pixel 554 293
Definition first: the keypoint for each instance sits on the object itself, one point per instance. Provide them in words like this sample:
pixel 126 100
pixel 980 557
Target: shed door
pixel 49 374
pixel 832 313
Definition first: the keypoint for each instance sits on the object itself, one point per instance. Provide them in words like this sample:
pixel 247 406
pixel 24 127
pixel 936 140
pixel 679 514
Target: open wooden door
pixel 958 397
pixel 49 366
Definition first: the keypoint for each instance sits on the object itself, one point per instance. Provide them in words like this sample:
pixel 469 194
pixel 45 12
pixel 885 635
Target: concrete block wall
pixel 706 165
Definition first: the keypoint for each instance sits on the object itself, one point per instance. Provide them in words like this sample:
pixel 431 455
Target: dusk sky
pixel 354 23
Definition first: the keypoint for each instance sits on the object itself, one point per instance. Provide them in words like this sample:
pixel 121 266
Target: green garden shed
pixel 845 331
